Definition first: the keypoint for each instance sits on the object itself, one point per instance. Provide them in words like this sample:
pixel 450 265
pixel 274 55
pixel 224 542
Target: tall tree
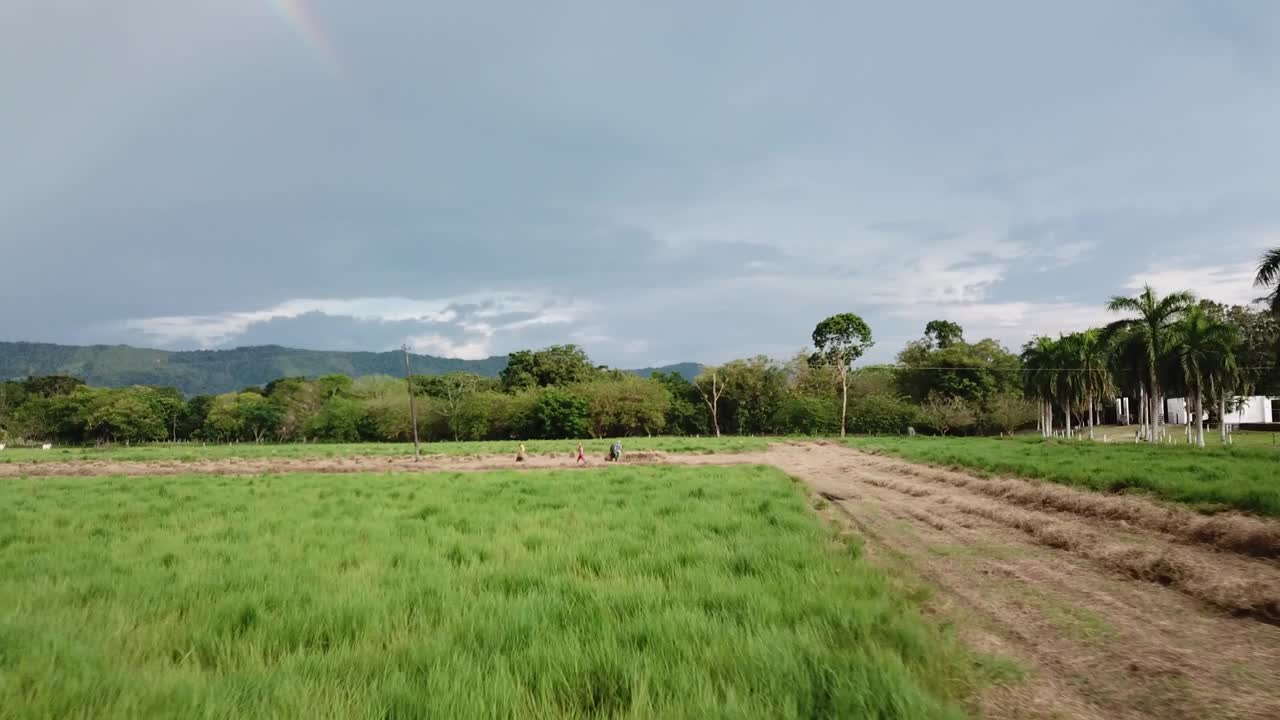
pixel 1204 348
pixel 710 385
pixel 625 406
pixel 1068 380
pixel 1039 358
pixel 1258 349
pixel 452 391
pixel 840 340
pixel 943 334
pixel 1126 351
pixel 683 415
pixel 754 390
pixel 556 365
pixel 1154 317
pixel 975 371
pixel 1083 375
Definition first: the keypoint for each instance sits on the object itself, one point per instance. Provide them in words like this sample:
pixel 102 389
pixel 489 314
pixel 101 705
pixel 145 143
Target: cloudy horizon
pixel 659 183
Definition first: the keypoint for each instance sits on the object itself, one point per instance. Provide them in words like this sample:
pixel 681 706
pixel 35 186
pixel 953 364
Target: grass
pixel 190 452
pixel 654 592
pixel 1211 479
pixel 1177 436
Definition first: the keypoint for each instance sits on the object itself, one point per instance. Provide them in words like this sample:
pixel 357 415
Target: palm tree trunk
pixel 1048 418
pixel 1090 415
pixel 1157 432
pixel 1144 411
pixel 1222 415
pixel 1199 417
pixel 1162 414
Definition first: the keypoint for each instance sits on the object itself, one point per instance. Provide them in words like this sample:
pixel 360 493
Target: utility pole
pixel 413 409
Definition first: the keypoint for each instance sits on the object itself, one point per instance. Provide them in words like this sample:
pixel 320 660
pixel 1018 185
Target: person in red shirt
pixel 582 460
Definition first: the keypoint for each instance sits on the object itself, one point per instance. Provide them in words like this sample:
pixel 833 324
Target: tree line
pixel 941 383
pixel 1208 354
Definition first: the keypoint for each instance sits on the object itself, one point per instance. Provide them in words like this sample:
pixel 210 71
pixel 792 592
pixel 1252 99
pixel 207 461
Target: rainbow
pixel 300 18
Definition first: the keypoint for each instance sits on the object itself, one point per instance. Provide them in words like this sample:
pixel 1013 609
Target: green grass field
pixel 1211 479
pixel 1241 438
pixel 655 592
pixel 189 452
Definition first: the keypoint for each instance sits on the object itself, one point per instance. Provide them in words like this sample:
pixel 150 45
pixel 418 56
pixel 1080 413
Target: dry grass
pixel 911 490
pixel 1220 588
pixel 1228 531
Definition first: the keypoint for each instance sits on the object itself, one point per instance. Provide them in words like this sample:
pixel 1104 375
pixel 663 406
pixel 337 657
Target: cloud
pixel 1012 323
pixel 217 329
pixel 455 324
pixel 442 346
pixel 1230 284
pixel 199 179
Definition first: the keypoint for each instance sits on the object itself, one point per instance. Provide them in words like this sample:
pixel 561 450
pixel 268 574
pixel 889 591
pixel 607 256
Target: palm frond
pixel 1268 268
pixel 1120 303
pixel 1113 330
pixel 1174 303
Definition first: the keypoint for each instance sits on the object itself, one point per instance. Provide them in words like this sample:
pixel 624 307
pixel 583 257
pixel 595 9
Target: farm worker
pixel 615 452
pixel 520 453
pixel 582 460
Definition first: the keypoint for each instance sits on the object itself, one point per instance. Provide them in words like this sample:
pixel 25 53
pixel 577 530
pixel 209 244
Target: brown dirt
pixel 1113 607
pixel 1110 618
pixel 262 466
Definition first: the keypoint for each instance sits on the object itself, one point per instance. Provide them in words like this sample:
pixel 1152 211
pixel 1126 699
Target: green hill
pixel 200 372
pixel 688 370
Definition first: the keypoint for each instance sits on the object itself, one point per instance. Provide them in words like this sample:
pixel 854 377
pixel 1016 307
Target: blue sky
pixel 658 182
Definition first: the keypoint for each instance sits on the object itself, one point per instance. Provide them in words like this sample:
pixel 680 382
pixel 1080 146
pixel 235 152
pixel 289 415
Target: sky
pixel 658 182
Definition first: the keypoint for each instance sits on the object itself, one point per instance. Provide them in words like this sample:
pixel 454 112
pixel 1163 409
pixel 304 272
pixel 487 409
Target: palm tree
pixel 1155 317
pixel 1225 379
pixel 1205 350
pixel 1091 357
pixel 1038 358
pixel 1052 378
pixel 1068 377
pixel 1125 352
pixel 1268 275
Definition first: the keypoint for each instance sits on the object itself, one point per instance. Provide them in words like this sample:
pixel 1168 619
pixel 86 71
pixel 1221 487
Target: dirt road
pixel 1109 619
pixel 1109 606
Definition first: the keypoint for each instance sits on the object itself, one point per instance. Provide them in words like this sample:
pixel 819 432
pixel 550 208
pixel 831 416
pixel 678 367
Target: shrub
pixel 881 415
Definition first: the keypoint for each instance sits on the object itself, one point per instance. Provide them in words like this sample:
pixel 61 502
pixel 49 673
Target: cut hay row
pixel 1228 530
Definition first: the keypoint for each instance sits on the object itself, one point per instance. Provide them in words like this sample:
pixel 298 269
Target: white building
pixel 1256 409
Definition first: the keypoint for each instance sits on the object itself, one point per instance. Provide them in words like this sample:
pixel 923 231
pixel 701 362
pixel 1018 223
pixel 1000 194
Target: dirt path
pixel 350 464
pixel 1112 606
pixel 1110 619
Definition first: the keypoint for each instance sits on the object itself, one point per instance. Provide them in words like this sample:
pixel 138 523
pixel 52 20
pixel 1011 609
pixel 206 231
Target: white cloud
pixel 1013 323
pixel 442 346
pixel 930 281
pixel 212 330
pixel 1231 284
pixel 460 314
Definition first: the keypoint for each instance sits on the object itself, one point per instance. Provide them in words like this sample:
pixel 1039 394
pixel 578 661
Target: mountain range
pixel 209 372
